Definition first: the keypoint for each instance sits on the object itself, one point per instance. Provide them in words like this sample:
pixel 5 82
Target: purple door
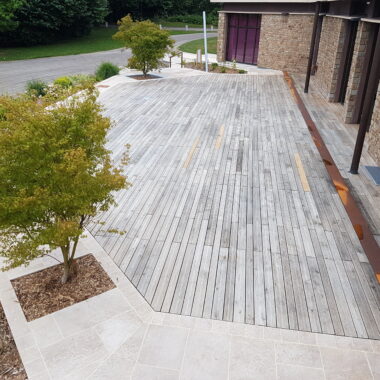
pixel 243 38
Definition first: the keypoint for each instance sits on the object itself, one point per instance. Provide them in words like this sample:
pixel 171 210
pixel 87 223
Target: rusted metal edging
pixel 366 238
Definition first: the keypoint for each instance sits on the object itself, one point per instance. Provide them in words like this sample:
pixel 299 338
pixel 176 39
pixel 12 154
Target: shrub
pixel 82 79
pixel 106 70
pixel 63 82
pixel 223 70
pixel 36 88
pixel 242 71
pixel 214 66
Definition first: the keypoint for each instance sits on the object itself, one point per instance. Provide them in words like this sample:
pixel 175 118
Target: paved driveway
pixel 15 74
pixel 232 214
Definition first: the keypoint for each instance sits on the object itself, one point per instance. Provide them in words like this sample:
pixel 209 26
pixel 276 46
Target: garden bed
pixel 42 293
pixel 141 77
pixel 214 68
pixel 11 366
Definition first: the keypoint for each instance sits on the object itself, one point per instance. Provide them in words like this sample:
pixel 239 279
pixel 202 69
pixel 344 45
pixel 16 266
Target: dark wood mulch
pixel 42 293
pixel 11 366
pixel 141 77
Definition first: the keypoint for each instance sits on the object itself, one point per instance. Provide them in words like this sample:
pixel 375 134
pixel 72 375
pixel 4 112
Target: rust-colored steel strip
pixel 367 240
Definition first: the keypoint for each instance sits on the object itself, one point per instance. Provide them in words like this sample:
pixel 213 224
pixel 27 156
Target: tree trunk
pixel 67 264
pixel 66 273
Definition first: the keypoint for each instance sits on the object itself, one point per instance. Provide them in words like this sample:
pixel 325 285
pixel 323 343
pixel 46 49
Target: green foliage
pixel 214 66
pixel 82 80
pixel 223 70
pixel 197 19
pixel 56 174
pixel 63 82
pixel 143 9
pixel 36 88
pixel 148 43
pixel 7 11
pixel 44 21
pixel 106 70
pixel 242 71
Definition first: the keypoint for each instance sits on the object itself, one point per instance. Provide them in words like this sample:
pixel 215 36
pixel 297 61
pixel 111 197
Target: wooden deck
pixel 232 215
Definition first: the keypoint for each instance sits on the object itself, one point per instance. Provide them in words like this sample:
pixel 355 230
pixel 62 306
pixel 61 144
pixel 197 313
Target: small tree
pixel 55 174
pixel 148 43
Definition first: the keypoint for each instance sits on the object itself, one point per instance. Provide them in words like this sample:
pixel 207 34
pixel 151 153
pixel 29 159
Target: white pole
pixel 205 39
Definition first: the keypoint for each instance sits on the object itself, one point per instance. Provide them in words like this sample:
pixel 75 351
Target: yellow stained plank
pixel 301 172
pixel 191 153
pixel 219 139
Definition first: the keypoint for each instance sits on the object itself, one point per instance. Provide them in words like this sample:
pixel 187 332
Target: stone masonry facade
pixel 329 56
pixel 222 37
pixel 285 42
pixel 374 131
pixel 361 44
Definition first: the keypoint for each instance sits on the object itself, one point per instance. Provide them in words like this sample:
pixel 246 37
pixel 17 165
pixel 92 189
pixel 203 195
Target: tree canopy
pixel 55 174
pixel 44 21
pixel 143 9
pixel 7 13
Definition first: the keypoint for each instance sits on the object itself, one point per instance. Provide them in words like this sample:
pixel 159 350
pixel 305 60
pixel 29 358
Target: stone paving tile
pixel 115 331
pixel 293 372
pixel 73 352
pixel 46 331
pixel 374 363
pixel 164 347
pixel 144 372
pixel 252 359
pixel 298 354
pixel 342 364
pixel 206 356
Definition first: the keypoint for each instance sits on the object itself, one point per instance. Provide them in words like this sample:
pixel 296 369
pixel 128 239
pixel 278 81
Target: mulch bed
pixel 11 366
pixel 42 293
pixel 218 69
pixel 141 77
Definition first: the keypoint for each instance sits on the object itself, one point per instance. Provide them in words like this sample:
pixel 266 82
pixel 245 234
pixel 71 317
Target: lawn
pixel 99 40
pixel 193 46
pixel 177 24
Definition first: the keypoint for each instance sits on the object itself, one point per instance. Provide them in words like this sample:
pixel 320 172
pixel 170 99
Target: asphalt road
pixel 15 74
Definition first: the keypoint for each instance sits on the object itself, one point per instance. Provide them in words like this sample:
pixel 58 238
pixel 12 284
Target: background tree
pixel 7 11
pixel 55 174
pixel 152 9
pixel 44 21
pixel 148 43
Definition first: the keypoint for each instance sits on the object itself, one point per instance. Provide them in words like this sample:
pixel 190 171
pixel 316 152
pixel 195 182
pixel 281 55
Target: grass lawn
pixel 177 24
pixel 193 46
pixel 99 40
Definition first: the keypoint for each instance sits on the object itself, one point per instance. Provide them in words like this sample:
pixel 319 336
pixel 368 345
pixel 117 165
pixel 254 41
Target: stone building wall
pixel 285 42
pixel 374 131
pixel 222 37
pixel 329 55
pixel 358 56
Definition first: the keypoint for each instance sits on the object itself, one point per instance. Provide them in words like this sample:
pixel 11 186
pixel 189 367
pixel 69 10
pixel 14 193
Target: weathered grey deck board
pixel 219 223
